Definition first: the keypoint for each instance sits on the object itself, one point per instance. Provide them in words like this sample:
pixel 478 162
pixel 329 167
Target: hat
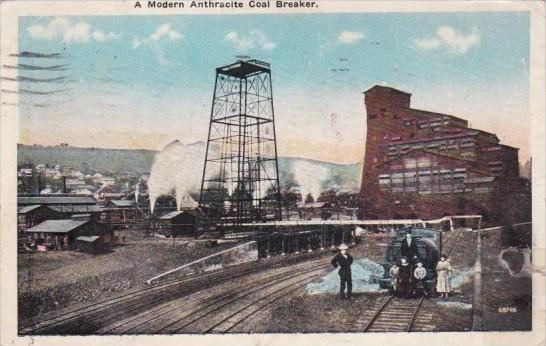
pixel 343 246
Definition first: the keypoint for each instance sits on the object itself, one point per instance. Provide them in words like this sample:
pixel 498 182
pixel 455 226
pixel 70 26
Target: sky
pixel 144 81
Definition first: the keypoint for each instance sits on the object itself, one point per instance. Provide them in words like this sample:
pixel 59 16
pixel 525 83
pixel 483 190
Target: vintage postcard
pixel 272 172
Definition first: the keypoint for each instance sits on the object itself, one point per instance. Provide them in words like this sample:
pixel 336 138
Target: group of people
pixel 408 275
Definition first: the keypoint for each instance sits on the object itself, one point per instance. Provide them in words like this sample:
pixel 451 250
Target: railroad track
pixel 220 309
pixel 391 315
pixel 142 309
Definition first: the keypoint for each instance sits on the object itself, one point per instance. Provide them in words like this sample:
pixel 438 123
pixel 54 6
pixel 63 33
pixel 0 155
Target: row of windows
pixel 443 144
pixel 437 189
pixel 456 172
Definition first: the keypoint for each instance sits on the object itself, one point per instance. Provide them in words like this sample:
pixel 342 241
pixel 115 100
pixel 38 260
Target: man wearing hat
pixel 343 260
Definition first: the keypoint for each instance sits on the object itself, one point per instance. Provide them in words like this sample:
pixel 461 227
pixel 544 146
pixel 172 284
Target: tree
pixel 309 198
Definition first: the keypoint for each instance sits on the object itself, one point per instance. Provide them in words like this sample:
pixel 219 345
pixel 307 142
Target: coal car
pixel 429 247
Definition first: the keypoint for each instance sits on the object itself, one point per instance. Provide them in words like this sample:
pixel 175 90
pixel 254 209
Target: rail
pixel 187 265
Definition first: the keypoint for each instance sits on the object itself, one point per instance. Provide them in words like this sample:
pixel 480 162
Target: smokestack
pixel 39 183
pixel 64 183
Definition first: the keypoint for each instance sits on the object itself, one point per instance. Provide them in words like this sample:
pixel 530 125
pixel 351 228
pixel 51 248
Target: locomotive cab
pixel 428 243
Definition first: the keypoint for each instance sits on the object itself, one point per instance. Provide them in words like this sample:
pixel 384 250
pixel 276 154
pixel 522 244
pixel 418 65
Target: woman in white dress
pixel 443 275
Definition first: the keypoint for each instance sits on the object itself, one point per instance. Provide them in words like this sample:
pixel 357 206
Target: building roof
pixel 312 205
pixel 52 200
pixel 57 226
pixel 88 239
pixel 385 87
pixel 28 208
pixel 423 112
pixel 79 209
pixel 171 215
pixel 123 202
pixel 76 216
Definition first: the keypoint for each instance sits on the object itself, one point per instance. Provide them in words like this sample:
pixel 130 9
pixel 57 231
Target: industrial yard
pixel 429 232
pixel 276 289
pixel 143 253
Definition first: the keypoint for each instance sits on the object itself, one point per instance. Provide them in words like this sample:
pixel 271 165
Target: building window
pixel 410 163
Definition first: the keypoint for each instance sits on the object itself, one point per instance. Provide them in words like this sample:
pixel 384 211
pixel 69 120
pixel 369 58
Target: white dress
pixel 443 270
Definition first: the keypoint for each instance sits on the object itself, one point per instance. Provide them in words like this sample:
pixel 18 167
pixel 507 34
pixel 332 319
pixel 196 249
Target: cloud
pixel 349 37
pixel 100 36
pixel 162 31
pixel 255 39
pixel 70 31
pixel 448 37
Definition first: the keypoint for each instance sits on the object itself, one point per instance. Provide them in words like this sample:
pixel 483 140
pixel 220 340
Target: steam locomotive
pixel 429 247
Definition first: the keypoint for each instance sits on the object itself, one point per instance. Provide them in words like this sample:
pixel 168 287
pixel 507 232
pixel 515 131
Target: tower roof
pixel 385 88
pixel 242 68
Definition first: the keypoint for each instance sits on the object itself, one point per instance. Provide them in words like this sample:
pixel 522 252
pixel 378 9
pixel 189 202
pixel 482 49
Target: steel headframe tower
pixel 241 174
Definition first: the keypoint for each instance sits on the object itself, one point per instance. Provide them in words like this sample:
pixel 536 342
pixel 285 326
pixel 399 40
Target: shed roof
pixel 170 215
pixel 28 208
pixel 123 202
pixel 88 239
pixel 79 209
pixel 52 200
pixel 57 226
pixel 312 205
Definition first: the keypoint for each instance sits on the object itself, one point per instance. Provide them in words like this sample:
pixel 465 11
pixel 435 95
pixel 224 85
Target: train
pixel 429 249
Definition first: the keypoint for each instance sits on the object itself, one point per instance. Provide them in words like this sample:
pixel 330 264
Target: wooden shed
pixel 90 244
pixel 177 223
pixel 62 234
pixel 31 215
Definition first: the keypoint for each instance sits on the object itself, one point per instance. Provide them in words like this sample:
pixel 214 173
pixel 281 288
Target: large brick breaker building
pixel 428 165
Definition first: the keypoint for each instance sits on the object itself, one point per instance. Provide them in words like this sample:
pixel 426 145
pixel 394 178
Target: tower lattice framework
pixel 241 175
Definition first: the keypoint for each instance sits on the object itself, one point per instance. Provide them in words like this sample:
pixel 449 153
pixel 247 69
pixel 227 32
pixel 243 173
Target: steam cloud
pixel 176 169
pixel 310 177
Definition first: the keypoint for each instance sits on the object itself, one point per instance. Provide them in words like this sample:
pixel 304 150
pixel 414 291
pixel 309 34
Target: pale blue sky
pixel 140 82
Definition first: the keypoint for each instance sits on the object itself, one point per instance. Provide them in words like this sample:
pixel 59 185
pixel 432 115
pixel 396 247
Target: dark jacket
pixel 409 251
pixel 344 264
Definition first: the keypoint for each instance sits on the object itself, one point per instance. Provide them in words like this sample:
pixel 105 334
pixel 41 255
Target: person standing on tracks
pixel 394 277
pixel 408 249
pixel 443 276
pixel 404 287
pixel 420 274
pixel 343 260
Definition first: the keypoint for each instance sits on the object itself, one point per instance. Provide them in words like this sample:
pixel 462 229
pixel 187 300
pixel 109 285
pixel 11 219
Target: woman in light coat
pixel 443 275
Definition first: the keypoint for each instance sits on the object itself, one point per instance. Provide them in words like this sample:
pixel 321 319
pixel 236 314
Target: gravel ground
pixel 506 299
pixel 54 280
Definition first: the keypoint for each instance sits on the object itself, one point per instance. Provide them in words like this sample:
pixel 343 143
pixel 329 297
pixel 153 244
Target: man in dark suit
pixel 408 249
pixel 343 260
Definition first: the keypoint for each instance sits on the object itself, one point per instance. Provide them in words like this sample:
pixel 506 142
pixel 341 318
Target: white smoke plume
pixel 177 168
pixel 309 176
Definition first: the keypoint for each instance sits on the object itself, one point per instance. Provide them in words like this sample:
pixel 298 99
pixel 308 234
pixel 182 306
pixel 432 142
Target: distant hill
pixel 140 161
pixel 92 159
